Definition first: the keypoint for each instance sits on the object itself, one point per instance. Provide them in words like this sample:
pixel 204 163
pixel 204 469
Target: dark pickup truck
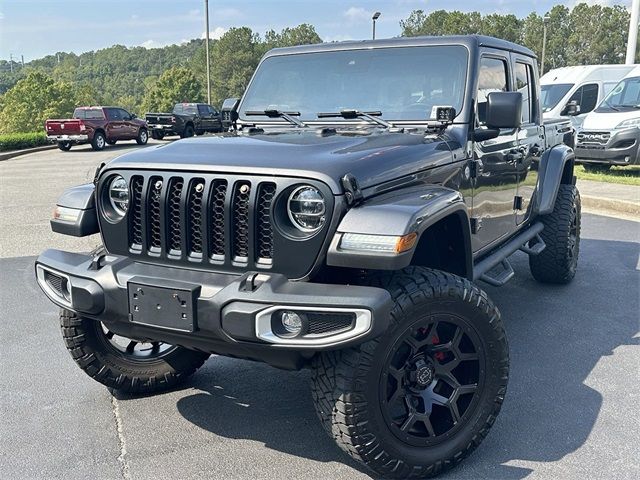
pixel 186 120
pixel 341 225
pixel 98 126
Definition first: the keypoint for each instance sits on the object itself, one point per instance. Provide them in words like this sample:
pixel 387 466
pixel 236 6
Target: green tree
pixel 303 34
pixel 233 60
pixel 177 84
pixel 32 100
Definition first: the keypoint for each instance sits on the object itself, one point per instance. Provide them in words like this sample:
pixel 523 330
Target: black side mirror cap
pixel 571 109
pixel 482 134
pixel 504 110
pixel 229 112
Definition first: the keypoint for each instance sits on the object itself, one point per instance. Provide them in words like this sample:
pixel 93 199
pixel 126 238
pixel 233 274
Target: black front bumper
pixel 228 312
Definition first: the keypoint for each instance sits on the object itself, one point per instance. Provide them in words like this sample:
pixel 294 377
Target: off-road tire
pixel 143 137
pixel 596 167
pixel 99 141
pixel 557 263
pixel 64 146
pixel 187 132
pixel 86 343
pixel 345 383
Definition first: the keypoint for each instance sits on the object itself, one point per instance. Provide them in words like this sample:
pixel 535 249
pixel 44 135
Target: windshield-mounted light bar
pixel 360 242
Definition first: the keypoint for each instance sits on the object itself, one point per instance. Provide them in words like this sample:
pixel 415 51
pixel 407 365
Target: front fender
pixel 556 167
pixel 397 214
pixel 80 200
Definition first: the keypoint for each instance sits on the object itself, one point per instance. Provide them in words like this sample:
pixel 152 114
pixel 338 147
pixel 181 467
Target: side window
pixel 124 114
pixel 203 110
pixel 213 111
pixel 491 78
pixel 110 113
pixel 524 85
pixel 586 96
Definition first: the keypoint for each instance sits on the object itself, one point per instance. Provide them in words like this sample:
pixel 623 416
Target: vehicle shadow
pixel 555 338
pixel 126 145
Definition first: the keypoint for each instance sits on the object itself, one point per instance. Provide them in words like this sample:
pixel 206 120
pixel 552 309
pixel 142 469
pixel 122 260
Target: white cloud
pixel 150 44
pixel 1 16
pixel 357 15
pixel 215 34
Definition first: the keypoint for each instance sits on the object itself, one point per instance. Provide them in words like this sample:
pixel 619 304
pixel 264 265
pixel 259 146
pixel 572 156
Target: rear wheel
pixel 596 167
pixel 417 400
pixel 188 132
pixel 99 141
pixel 125 364
pixel 143 137
pixel 557 263
pixel 64 146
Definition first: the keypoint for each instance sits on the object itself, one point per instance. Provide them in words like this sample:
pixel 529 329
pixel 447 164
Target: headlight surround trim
pixel 315 213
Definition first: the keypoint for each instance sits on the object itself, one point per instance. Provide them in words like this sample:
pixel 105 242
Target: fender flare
pixel 81 198
pixel 551 174
pixel 397 214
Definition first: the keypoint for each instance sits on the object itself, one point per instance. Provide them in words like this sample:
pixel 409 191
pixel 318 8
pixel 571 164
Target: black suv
pixel 186 120
pixel 339 225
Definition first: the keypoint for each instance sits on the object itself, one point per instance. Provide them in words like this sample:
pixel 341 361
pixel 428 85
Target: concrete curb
pixel 26 151
pixel 610 206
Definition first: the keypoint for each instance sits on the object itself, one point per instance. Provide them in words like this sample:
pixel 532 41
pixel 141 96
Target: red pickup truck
pixel 98 126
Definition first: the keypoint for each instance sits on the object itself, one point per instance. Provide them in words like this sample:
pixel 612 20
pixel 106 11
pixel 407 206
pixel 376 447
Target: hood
pixel 373 155
pixel 607 120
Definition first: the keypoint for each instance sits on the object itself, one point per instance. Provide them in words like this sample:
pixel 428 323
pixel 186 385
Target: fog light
pixel 291 322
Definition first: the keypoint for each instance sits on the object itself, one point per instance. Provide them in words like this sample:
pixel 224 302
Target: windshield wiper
pixel 629 105
pixel 353 114
pixel 273 113
pixel 611 106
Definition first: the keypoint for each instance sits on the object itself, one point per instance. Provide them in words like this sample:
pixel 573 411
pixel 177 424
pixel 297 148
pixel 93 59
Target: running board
pixel 500 255
pixel 534 249
pixel 501 276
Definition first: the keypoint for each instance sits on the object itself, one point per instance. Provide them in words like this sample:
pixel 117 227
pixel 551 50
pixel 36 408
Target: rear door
pixel 495 184
pixel 115 127
pixel 530 134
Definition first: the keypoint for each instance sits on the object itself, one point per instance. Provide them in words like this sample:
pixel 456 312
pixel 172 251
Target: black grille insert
pixel 194 214
pixel 174 233
pixel 216 218
pixel 264 226
pixel 241 193
pixel 323 323
pixel 153 213
pixel 135 214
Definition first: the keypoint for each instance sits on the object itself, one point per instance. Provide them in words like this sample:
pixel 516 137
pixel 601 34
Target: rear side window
pixel 524 85
pixel 88 114
pixel 185 109
pixel 586 96
pixel 491 78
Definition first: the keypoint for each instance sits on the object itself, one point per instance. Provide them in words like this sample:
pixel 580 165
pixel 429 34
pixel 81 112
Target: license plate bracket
pixel 164 304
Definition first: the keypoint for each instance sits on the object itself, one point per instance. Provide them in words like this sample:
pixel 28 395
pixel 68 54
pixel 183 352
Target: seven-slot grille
pixel 198 218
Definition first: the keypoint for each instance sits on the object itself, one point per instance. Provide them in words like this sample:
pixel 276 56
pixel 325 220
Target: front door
pixel 530 137
pixel 495 184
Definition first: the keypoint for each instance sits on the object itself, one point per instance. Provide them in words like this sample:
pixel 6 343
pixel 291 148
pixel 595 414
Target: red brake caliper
pixel 435 340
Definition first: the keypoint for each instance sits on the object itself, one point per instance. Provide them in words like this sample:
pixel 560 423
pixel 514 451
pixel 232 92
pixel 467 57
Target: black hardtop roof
pixel 472 42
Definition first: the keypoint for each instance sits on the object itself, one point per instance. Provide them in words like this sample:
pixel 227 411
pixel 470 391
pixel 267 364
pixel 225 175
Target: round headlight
pixel 119 195
pixel 306 208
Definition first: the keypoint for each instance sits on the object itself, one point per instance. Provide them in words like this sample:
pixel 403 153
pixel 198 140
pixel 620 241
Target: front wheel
pixel 417 400
pixel 188 132
pixel 64 146
pixel 143 137
pixel 125 364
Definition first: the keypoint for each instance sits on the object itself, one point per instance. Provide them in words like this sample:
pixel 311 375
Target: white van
pixel 586 85
pixel 610 135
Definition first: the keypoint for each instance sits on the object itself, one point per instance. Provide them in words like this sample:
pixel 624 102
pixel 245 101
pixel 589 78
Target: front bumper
pixel 621 148
pixel 68 138
pixel 230 314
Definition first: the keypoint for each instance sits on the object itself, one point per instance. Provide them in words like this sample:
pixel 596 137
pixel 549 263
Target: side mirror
pixel 504 110
pixel 133 116
pixel 571 109
pixel 229 112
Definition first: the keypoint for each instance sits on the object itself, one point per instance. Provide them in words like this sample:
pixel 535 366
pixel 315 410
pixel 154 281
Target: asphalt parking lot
pixel 571 411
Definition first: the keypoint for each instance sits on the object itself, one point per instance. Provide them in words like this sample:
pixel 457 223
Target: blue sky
pixel 35 28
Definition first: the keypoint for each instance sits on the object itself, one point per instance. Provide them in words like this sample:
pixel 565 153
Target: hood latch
pixel 352 192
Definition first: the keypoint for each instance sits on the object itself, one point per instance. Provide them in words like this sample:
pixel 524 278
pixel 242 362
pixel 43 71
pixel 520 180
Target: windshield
pixel 185 109
pixel 624 97
pixel 551 94
pixel 406 83
pixel 88 114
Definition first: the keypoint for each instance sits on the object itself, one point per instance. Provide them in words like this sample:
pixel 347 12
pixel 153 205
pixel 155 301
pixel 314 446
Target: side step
pixel 499 276
pixel 519 242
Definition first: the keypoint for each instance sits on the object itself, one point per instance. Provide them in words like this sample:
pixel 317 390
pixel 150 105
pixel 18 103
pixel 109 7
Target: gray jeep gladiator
pixel 339 224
